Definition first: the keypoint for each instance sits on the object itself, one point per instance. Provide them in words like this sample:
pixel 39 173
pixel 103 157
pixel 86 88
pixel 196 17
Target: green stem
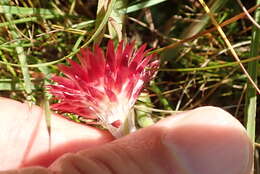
pixel 251 96
pixel 162 99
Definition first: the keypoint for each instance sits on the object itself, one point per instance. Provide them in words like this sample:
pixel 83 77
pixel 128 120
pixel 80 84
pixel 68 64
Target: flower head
pixel 104 87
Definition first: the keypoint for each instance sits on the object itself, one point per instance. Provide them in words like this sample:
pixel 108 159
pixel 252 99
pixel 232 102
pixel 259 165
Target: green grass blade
pixel 143 116
pixel 10 68
pixel 251 96
pixel 102 24
pixel 195 27
pixel 25 20
pixel 27 11
pixel 164 102
pixel 210 67
pixel 143 5
pixel 49 14
pixel 25 71
pixel 117 18
pixel 10 84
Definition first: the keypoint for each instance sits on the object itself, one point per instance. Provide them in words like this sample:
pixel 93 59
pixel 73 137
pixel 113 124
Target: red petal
pixel 127 54
pixel 98 62
pixel 116 124
pixel 111 95
pixel 64 81
pixel 119 53
pixel 69 72
pixel 83 57
pixel 79 72
pixel 142 65
pixel 111 59
pixel 66 107
pixel 140 54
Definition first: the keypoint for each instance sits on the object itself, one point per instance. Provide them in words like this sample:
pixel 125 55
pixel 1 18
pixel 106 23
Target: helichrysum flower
pixel 104 87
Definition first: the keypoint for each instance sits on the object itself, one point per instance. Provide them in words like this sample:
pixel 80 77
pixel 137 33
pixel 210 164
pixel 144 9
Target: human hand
pixel 206 140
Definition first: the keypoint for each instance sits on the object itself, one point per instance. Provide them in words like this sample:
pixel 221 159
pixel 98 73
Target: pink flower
pixel 104 88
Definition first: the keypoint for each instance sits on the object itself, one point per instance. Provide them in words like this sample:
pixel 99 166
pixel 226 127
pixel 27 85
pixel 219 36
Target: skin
pixel 206 140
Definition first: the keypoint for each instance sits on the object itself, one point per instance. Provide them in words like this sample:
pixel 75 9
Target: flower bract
pixel 104 87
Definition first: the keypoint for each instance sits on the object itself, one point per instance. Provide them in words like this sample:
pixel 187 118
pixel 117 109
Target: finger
pixel 29 170
pixel 202 141
pixel 25 139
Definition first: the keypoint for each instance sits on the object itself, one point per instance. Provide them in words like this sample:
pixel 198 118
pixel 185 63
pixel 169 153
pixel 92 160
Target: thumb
pixel 202 141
